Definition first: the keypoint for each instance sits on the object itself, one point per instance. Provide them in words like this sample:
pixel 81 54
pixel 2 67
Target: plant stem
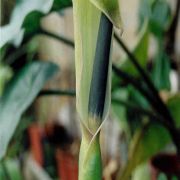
pixel 161 106
pixel 18 53
pixel 56 92
pixel 58 37
pixel 72 93
pixel 142 90
pixel 24 48
pixel 140 110
pixel 90 162
pixel 138 85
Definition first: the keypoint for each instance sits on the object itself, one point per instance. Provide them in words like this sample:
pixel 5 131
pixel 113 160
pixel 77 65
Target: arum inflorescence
pixel 93 20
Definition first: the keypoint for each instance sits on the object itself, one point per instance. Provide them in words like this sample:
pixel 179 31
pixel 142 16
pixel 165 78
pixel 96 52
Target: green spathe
pixel 86 21
pixel 92 51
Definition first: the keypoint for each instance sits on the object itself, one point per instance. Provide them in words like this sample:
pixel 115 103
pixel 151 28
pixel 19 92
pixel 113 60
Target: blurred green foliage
pixel 146 136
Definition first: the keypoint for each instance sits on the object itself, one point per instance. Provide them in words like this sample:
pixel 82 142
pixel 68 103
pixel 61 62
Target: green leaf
pixel 32 22
pixel 140 52
pixel 18 96
pixel 13 32
pixel 173 104
pixel 160 17
pixel 5 75
pixel 142 172
pixel 25 18
pixel 134 118
pixel 158 14
pixel 13 170
pixel 161 71
pixel 144 11
pixel 60 4
pixel 145 143
pixel 119 111
pixel 136 97
pixel 162 176
pixel 152 140
pixel 174 178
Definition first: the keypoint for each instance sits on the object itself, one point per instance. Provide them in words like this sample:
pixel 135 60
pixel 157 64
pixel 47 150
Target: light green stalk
pixel 93 21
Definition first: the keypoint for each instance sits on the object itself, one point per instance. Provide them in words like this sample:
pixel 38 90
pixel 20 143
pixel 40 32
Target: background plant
pixel 137 83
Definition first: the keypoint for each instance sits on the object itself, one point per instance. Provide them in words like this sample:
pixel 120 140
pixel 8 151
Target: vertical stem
pixel 90 163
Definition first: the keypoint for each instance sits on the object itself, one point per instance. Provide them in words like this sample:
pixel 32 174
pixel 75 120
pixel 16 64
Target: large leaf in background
pixel 13 31
pixel 145 143
pixel 161 71
pixel 19 94
pixel 173 104
pixel 32 21
pixel 134 117
pixel 137 98
pixel 152 139
pixel 35 9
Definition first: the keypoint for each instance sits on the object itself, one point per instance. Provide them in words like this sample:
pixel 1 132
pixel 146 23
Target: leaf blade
pixel 18 95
